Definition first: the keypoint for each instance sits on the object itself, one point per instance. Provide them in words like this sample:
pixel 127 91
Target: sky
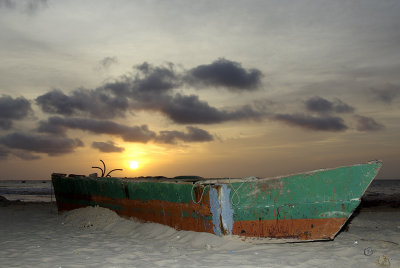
pixel 208 88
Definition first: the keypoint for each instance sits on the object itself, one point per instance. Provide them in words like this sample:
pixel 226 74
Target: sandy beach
pixel 35 235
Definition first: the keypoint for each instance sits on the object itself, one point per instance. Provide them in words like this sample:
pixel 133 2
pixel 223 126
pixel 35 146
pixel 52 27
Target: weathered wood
pixel 302 207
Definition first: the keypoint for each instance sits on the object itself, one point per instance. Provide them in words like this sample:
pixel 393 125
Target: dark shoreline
pixel 368 203
pixel 4 202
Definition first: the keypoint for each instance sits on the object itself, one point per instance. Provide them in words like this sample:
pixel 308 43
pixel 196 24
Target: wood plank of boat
pixel 302 207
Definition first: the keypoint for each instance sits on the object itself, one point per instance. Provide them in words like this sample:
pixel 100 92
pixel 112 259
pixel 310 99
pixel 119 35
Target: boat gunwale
pixel 230 180
pixel 196 180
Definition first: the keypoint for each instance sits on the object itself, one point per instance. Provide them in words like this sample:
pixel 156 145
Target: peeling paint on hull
pixel 295 229
pixel 175 215
pixel 302 207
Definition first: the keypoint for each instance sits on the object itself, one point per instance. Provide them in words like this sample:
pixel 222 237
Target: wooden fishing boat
pixel 302 207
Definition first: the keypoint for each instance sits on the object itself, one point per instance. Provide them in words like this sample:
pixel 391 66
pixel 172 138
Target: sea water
pixel 379 192
pixel 27 190
pixel 383 192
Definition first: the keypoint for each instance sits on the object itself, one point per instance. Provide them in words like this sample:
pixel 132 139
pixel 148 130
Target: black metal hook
pixel 103 170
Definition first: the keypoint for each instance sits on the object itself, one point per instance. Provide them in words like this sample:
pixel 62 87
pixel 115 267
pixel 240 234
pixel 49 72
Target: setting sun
pixel 133 164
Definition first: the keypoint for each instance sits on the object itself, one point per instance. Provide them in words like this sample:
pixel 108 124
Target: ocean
pixel 380 192
pixel 27 190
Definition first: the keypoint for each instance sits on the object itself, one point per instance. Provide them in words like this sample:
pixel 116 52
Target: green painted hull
pixel 302 207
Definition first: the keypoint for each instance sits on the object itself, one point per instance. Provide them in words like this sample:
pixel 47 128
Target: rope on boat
pixel 201 197
pixel 235 191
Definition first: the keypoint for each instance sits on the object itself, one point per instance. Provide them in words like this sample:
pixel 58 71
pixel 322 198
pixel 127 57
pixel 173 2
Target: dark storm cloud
pixel 145 89
pixel 5 124
pixel 13 109
pixel 341 107
pixel 96 103
pixel 49 144
pixel 32 6
pixel 317 104
pixel 193 135
pixel 107 147
pixel 387 94
pixel 151 88
pixel 321 105
pixel 6 152
pixel 151 80
pixel 25 155
pixel 191 110
pixel 225 73
pixel 367 124
pixel 108 61
pixel 27 6
pixel 59 125
pixel 326 123
pixel 8 4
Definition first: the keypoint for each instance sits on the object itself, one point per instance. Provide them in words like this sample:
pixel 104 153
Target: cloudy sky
pixel 210 88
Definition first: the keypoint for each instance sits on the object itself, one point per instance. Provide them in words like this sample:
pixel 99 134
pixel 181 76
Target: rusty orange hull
pixel 303 207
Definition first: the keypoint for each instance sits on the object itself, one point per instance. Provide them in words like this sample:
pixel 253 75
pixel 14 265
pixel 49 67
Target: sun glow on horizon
pixel 133 164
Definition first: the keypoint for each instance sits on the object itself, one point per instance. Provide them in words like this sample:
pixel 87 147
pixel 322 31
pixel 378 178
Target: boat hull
pixel 302 207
